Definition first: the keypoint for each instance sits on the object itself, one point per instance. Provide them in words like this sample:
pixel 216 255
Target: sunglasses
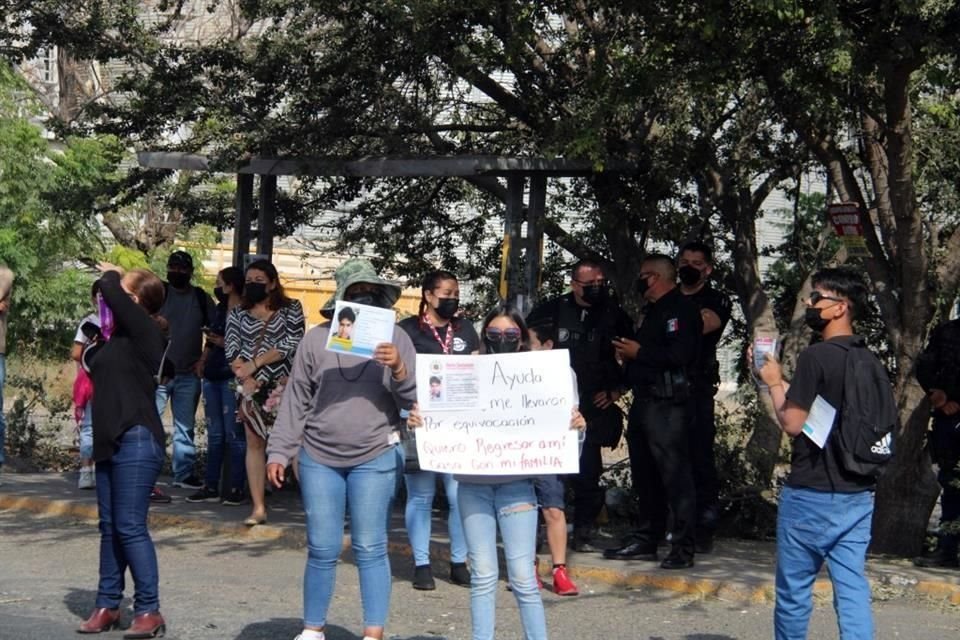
pixel 502 335
pixel 816 297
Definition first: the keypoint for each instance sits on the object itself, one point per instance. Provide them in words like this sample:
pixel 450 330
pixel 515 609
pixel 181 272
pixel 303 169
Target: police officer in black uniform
pixel 695 264
pixel 587 319
pixel 659 363
pixel 938 372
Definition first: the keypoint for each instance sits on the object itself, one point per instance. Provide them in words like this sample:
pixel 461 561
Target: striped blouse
pixel 284 332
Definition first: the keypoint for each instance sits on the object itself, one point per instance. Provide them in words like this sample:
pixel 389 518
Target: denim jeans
pixel 421 488
pixel 184 395
pixel 512 506
pixel 3 419
pixel 86 432
pixel 123 498
pixel 224 434
pixel 368 489
pixel 813 527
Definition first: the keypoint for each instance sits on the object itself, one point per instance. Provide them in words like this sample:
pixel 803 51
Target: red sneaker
pixel 562 584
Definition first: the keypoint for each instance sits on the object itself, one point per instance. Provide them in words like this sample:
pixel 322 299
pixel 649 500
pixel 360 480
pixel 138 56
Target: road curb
pixel 939 590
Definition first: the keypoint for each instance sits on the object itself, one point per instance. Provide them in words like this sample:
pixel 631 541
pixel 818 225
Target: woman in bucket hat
pixel 340 414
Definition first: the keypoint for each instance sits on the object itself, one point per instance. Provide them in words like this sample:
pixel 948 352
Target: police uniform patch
pixel 563 335
pixel 459 344
pixel 673 325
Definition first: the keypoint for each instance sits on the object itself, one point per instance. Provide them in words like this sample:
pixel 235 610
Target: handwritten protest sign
pixel 357 329
pixel 497 414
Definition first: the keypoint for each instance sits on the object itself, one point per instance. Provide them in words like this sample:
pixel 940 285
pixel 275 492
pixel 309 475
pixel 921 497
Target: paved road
pixel 225 589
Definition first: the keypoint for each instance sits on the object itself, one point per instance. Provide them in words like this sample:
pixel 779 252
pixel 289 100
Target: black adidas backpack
pixel 863 435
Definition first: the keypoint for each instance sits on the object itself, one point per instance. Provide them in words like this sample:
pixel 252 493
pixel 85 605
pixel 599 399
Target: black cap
pixel 180 259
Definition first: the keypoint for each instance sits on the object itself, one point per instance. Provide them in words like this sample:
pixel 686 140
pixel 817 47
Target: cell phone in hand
pixel 91 331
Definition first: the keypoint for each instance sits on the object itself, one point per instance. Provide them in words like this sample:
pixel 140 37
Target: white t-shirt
pixel 80 338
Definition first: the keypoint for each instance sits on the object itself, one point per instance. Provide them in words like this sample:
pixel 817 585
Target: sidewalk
pixel 739 571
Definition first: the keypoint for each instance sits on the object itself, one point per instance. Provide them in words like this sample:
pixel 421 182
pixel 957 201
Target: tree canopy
pixel 716 104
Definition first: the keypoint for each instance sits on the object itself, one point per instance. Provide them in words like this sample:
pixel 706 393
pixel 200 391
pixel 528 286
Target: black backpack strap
pixel 201 300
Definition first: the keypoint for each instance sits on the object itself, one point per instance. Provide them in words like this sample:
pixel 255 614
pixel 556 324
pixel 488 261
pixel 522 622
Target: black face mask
pixel 219 294
pixel 642 285
pixel 502 346
pixel 814 320
pixel 595 294
pixel 689 275
pixel 370 298
pixel 447 307
pixel 255 292
pixel 178 279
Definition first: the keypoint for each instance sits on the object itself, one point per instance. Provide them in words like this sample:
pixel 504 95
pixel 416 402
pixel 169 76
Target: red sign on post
pixel 846 221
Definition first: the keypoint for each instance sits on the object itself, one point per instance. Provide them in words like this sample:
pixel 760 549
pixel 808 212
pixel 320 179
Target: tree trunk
pixel 763 447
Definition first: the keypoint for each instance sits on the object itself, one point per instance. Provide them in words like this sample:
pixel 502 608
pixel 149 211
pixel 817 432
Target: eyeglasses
pixel 816 297
pixel 502 335
pixel 590 283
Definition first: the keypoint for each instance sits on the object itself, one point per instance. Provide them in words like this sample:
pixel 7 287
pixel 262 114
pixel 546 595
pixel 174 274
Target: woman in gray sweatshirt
pixel 340 415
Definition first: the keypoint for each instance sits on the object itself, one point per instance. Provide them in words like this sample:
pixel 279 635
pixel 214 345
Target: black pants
pixel 703 430
pixel 660 467
pixel 945 449
pixel 588 495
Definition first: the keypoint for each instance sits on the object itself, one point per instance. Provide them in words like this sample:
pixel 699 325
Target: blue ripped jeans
pixel 511 506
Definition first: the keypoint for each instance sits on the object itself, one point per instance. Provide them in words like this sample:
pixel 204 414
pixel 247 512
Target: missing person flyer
pixel 357 329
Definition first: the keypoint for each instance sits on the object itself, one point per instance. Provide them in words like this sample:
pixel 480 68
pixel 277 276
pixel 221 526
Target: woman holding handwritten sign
pixel 437 330
pixel 507 502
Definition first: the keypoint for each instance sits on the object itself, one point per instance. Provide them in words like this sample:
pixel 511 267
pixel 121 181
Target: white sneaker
pixel 88 480
pixel 310 634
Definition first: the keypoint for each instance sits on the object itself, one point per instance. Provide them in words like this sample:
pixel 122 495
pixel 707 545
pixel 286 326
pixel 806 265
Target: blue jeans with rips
pixel 123 499
pixel 814 527
pixel 225 436
pixel 184 395
pixel 421 488
pixel 511 506
pixel 368 489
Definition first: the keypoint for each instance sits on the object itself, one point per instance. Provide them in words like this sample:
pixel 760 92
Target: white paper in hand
pixel 820 421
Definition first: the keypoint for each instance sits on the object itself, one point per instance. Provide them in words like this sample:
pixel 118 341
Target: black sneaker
pixel 159 497
pixel 938 559
pixel 190 482
pixel 459 574
pixel 423 578
pixel 234 498
pixel 205 494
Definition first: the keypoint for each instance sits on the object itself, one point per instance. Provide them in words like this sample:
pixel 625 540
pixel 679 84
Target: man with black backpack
pixel 839 411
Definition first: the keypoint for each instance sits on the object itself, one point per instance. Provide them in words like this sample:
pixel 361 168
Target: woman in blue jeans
pixel 128 441
pixel 340 414
pixel 437 330
pixel 224 432
pixel 507 502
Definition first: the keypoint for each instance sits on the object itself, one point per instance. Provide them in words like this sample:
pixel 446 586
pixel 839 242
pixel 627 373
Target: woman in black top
pixel 128 447
pixel 224 432
pixel 437 330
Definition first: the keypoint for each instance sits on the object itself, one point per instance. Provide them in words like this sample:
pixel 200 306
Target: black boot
pixel 423 578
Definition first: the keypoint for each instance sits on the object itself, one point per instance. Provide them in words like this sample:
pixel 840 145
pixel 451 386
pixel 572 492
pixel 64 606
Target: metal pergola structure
pixel 522 253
